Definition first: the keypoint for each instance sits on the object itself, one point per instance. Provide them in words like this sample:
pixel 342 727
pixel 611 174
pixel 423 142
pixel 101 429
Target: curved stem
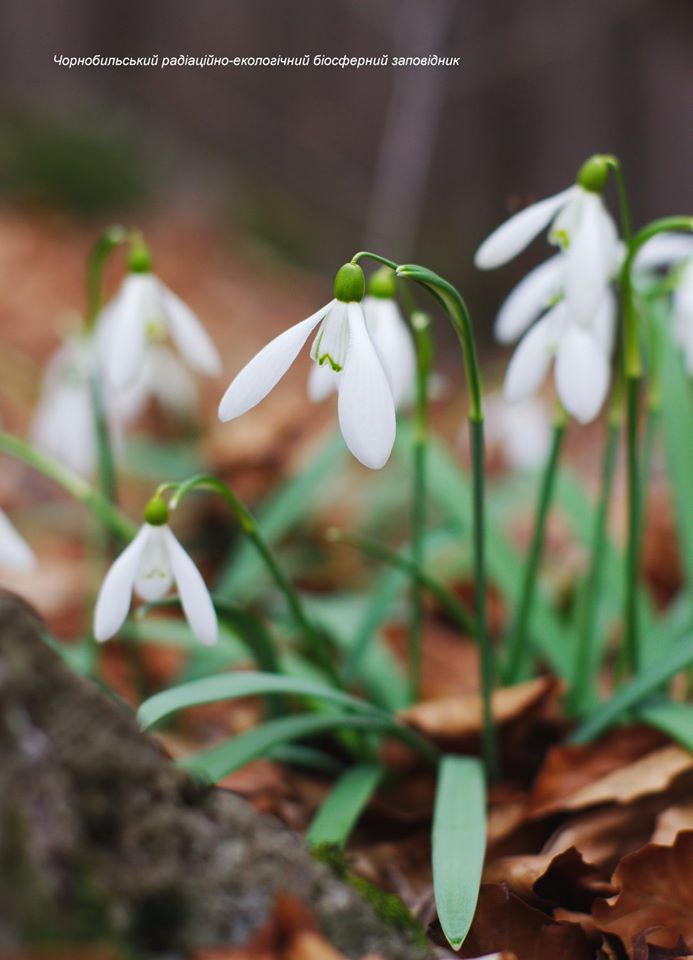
pixel 73 484
pixel 314 638
pixel 458 314
pixel 109 240
pixel 518 647
pixel 420 323
pixel 373 256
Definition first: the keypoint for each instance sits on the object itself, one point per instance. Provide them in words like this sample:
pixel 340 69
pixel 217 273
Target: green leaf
pixel 671 661
pixel 337 816
pixel 677 426
pixel 214 764
pixel 459 844
pixel 230 686
pixel 673 718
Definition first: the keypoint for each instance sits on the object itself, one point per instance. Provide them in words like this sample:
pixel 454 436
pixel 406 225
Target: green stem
pixel 313 637
pixel 98 256
pixel 422 340
pixel 73 484
pixel 581 691
pixel 518 647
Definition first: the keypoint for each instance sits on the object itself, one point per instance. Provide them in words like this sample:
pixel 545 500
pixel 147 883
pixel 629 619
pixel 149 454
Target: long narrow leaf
pixel 673 718
pixel 459 844
pixel 230 686
pixel 674 659
pixel 337 816
pixel 214 764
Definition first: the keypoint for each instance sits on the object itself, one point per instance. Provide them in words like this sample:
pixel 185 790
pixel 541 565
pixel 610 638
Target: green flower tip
pixel 420 320
pixel 140 259
pixel 350 283
pixel 156 512
pixel 383 284
pixel 594 173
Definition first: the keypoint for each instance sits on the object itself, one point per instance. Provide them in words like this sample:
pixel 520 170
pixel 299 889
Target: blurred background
pixel 253 184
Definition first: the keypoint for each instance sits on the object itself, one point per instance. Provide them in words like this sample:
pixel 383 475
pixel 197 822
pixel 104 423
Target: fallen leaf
pixel 671 822
pixel 655 892
pixel 457 717
pixel 503 922
pixel 563 879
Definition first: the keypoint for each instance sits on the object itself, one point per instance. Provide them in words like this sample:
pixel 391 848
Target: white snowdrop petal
pixel 194 595
pixel 154 574
pixel 582 373
pixel 63 427
pixel 322 381
pixel 529 299
pixel 366 408
pixel 126 328
pixel 663 250
pixel 15 552
pixel 394 345
pixel 332 339
pixel 115 595
pixel 516 233
pixel 530 362
pixel 590 259
pixel 267 368
pixel 189 335
pixel 604 325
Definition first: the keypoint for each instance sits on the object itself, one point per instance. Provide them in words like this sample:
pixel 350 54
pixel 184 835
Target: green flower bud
pixel 593 174
pixel 350 283
pixel 140 258
pixel 156 512
pixel 383 284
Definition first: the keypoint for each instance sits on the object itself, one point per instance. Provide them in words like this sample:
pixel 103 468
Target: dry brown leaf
pixel 656 895
pixel 650 774
pixel 564 880
pixel 671 822
pixel 454 718
pixel 567 769
pixel 504 922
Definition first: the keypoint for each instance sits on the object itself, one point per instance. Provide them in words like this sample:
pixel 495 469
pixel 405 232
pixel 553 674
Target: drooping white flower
pixel 342 345
pixel 393 343
pixel 15 552
pixel 144 311
pixel 152 563
pixel 522 432
pixel 570 292
pixel 164 378
pixel 63 422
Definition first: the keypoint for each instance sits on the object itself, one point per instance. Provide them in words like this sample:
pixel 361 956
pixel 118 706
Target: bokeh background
pixel 254 184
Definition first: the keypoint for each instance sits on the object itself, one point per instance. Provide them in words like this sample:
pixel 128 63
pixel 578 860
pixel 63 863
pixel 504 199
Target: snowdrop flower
pixel 143 311
pixel 344 346
pixel 15 552
pixel 150 566
pixel 522 432
pixel 391 338
pixel 164 378
pixel 573 287
pixel 63 423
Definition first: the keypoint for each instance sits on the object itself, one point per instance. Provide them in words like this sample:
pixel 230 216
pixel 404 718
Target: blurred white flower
pixel 143 311
pixel 63 423
pixel 522 432
pixel 683 314
pixel 365 403
pixel 15 552
pixel 573 287
pixel 393 343
pixel 150 566
pixel 164 378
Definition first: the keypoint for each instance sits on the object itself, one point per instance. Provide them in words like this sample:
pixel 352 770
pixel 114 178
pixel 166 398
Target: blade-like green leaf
pixel 673 718
pixel 230 686
pixel 214 764
pixel 341 809
pixel 672 660
pixel 459 844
